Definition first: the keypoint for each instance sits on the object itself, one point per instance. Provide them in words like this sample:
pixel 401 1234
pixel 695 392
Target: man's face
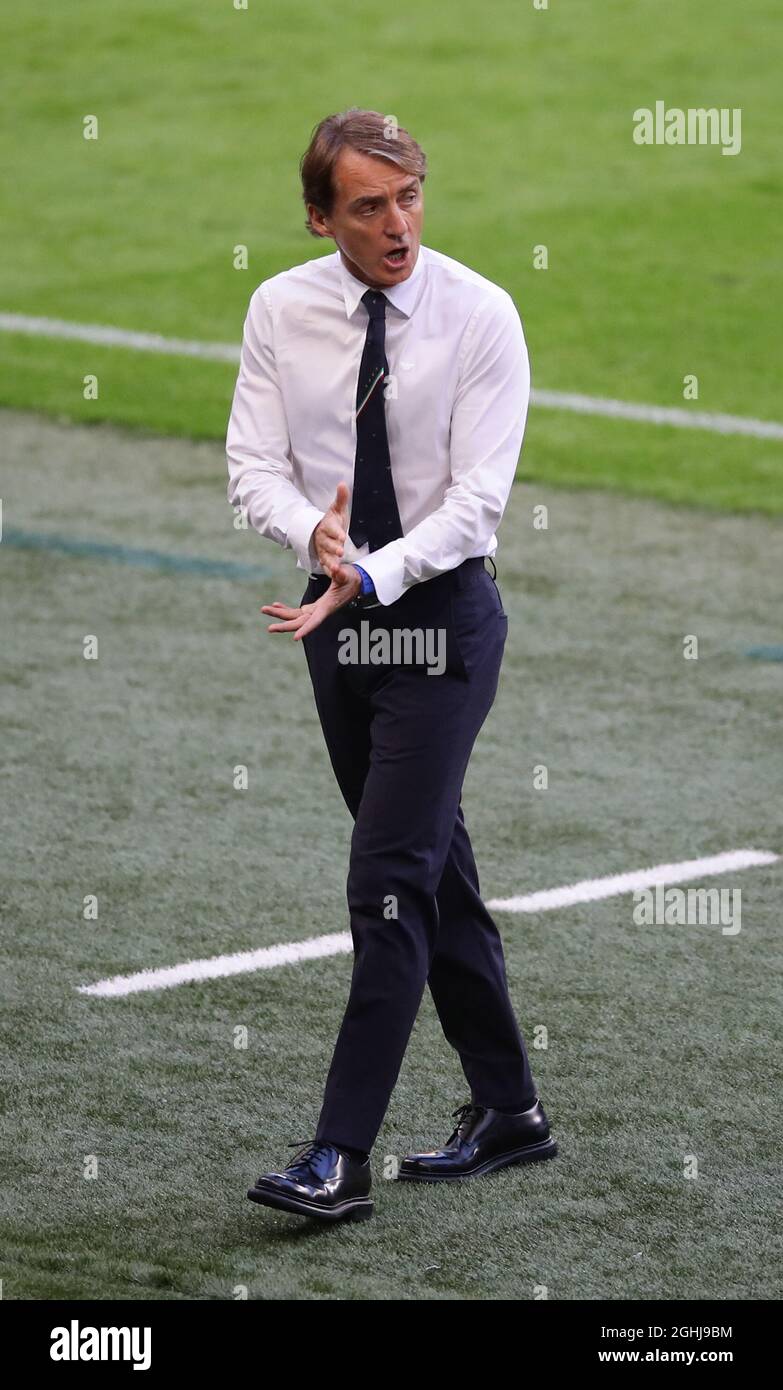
pixel 377 209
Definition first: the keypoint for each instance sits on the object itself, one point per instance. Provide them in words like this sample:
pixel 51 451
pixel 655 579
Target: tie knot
pixel 375 301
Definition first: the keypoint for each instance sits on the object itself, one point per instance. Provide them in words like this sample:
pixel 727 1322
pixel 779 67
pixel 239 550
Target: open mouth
pixel 397 258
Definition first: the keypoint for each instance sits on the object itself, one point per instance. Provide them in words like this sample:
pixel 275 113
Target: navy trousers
pixel 399 740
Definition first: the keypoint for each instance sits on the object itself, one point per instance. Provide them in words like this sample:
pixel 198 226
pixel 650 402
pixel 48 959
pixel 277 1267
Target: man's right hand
pixel 328 538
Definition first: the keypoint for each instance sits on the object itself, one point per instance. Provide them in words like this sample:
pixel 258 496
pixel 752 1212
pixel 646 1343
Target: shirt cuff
pixel 367 585
pixel 300 529
pixel 386 568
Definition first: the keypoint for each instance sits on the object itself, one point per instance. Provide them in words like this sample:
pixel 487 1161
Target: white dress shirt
pixel 456 405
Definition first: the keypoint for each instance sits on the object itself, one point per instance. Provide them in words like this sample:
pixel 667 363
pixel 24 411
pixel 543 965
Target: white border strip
pixel 675 417
pixel 340 943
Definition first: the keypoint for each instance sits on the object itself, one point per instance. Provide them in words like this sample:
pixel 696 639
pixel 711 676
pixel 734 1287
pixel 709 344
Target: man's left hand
pixel 346 584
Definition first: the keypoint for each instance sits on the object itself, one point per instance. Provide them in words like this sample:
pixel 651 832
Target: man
pixel 403 362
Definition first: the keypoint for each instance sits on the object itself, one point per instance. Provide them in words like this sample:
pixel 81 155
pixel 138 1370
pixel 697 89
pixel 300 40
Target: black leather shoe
pixel 319 1181
pixel 483 1141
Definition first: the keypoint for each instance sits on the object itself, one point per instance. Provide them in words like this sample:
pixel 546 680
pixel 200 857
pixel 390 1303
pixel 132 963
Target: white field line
pixel 591 889
pixel 116 337
pixel 216 967
pixel 658 414
pixel 676 417
pixel 340 943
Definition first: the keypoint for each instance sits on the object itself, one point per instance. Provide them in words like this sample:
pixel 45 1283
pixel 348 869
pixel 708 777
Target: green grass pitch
pixel 118 783
pixel 663 261
pixel 117 774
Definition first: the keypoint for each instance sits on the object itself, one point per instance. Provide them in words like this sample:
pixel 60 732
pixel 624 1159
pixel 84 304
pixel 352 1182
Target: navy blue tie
pixel 375 518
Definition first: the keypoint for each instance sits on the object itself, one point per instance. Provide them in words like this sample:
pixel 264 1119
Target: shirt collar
pixel 403 295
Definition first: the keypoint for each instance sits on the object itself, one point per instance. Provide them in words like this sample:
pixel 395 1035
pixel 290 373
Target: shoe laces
pixel 311 1150
pixel 464 1112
